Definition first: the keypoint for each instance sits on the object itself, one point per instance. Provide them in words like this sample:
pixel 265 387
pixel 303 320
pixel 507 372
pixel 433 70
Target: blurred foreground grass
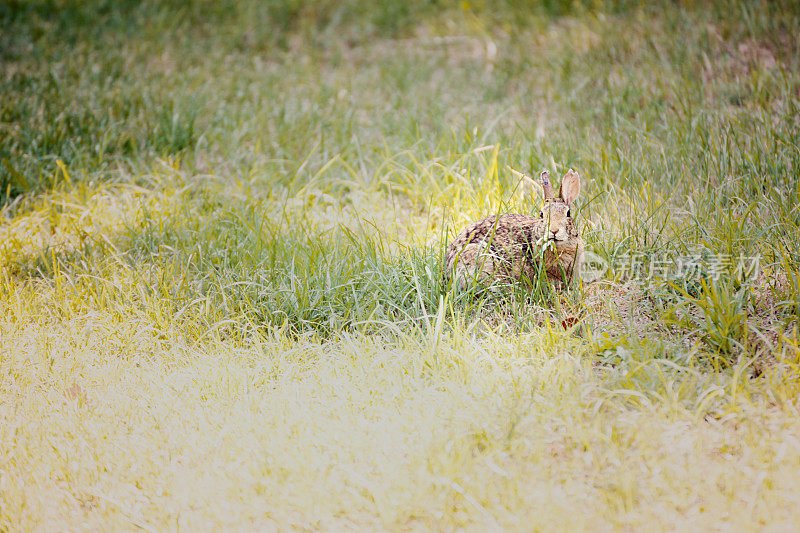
pixel 221 299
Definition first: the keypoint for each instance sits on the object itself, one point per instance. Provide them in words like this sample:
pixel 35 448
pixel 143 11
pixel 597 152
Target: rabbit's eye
pixel 568 213
pixel 541 214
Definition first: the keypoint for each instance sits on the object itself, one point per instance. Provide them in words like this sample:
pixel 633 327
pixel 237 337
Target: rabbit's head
pixel 556 210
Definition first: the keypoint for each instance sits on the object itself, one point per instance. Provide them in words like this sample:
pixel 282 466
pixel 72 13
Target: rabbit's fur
pixel 514 247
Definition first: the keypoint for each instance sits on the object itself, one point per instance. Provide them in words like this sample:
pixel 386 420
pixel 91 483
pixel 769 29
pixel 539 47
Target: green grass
pixel 221 290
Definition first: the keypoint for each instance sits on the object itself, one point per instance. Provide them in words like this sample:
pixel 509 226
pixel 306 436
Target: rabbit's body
pixel 516 247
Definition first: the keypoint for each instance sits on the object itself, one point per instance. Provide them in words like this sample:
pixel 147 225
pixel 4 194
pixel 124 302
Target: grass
pixel 222 300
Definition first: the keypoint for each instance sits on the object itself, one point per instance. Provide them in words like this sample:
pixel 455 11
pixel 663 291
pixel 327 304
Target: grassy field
pixel 221 290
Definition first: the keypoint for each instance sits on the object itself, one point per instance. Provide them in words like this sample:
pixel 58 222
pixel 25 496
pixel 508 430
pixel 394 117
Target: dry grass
pixel 109 426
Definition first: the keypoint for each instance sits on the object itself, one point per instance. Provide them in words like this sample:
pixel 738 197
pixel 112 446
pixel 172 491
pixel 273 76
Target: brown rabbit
pixel 514 247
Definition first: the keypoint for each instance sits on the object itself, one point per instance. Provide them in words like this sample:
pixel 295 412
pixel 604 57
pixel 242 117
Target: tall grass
pixel 221 245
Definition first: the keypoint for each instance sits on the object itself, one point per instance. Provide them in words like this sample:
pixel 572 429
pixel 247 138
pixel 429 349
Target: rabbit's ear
pixel 546 186
pixel 570 187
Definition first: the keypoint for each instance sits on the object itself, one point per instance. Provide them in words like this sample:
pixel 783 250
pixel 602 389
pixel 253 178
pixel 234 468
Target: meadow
pixel 222 301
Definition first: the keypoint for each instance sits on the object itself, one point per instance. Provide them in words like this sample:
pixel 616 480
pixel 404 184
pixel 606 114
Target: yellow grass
pixel 109 425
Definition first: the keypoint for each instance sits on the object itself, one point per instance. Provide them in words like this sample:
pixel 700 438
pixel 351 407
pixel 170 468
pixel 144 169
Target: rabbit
pixel 514 247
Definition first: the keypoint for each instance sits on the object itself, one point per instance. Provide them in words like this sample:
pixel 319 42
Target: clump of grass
pixel 221 243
